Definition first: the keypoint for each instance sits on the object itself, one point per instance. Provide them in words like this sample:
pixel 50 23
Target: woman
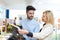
pixel 47 30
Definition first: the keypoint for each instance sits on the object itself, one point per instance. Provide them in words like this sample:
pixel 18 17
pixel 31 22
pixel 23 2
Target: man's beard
pixel 30 18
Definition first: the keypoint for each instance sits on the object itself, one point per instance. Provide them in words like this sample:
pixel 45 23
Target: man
pixel 29 23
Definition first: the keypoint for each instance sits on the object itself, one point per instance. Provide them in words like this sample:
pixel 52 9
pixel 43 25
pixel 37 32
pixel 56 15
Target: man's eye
pixel 30 13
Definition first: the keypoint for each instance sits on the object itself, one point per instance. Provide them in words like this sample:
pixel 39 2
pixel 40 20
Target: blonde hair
pixel 49 15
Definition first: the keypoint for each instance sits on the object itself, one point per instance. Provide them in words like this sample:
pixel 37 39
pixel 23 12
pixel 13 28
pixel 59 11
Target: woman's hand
pixel 22 31
pixel 13 24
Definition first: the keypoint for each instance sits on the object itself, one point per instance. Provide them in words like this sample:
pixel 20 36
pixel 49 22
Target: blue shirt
pixel 31 26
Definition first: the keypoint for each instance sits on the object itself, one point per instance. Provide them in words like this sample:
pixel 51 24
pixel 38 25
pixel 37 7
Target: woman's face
pixel 44 18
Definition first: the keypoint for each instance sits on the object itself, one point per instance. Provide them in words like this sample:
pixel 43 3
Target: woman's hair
pixel 49 15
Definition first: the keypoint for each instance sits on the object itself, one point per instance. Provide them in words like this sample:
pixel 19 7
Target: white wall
pixel 17 4
pixel 16 13
pixel 2 10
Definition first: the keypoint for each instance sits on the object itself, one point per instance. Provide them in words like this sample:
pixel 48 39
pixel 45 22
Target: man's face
pixel 30 14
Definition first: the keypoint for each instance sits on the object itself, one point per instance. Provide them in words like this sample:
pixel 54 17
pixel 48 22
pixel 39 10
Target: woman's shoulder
pixel 49 25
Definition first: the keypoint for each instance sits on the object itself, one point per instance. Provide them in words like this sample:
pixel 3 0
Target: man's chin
pixel 30 18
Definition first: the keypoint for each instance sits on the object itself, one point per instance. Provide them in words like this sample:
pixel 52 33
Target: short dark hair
pixel 30 8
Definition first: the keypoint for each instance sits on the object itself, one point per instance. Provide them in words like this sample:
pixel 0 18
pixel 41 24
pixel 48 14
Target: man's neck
pixel 29 19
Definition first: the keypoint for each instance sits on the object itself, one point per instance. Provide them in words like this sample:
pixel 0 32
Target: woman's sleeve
pixel 30 34
pixel 44 33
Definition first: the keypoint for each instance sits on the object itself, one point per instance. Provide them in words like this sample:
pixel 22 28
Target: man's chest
pixel 29 26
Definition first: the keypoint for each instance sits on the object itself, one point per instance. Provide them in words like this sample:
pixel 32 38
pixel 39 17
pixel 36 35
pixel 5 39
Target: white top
pixel 45 34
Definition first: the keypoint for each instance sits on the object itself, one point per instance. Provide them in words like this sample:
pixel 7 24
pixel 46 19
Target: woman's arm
pixel 44 33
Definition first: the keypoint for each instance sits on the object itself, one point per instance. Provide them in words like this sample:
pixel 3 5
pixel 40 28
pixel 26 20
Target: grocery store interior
pixel 9 9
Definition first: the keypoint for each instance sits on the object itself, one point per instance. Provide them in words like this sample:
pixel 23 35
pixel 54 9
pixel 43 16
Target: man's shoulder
pixel 36 22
